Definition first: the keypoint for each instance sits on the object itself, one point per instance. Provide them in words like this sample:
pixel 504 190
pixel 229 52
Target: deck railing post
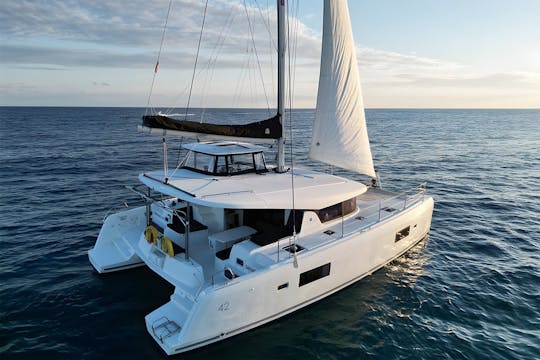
pixel 187 229
pixel 148 209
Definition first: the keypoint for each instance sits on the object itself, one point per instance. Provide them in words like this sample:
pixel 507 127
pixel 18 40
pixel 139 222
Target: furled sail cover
pixel 265 129
pixel 339 133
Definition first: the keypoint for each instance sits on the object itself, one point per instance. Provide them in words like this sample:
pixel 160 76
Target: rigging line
pixel 178 162
pixel 272 43
pixel 176 97
pixel 293 50
pixel 196 58
pixel 291 139
pixel 295 47
pixel 271 56
pixel 211 64
pixel 159 55
pixel 239 83
pixel 266 23
pixel 273 50
pixel 179 152
pixel 256 55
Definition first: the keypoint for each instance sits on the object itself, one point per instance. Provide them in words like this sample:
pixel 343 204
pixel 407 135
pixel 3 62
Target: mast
pixel 281 83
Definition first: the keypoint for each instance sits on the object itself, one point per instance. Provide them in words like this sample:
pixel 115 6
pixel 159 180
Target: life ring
pixel 167 246
pixel 151 234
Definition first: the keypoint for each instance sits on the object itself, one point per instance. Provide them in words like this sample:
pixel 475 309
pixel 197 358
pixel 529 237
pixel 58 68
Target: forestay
pixel 339 134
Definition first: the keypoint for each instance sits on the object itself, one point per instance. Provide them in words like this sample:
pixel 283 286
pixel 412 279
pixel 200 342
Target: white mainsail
pixel 339 133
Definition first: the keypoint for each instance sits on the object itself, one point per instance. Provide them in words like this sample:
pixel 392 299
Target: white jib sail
pixel 339 133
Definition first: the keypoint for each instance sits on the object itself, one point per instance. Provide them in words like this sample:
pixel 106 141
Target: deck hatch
pixel 293 248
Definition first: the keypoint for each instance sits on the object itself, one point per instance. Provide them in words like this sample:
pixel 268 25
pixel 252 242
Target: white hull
pixel 114 248
pixel 207 307
pixel 245 244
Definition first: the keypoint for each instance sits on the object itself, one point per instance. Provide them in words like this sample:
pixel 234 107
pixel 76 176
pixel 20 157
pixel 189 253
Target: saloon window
pixel 225 164
pixel 200 162
pixel 337 210
pixel 240 163
pixel 221 166
pixel 260 165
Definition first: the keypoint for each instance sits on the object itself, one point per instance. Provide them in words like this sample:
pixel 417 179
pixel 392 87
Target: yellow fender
pixel 167 246
pixel 151 234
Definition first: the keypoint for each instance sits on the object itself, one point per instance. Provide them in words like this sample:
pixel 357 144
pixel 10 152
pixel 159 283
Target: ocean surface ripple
pixel 471 291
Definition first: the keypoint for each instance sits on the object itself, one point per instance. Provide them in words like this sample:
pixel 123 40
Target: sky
pixel 411 54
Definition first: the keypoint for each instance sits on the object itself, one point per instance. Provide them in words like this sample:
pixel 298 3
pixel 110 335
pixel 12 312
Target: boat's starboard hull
pixel 248 301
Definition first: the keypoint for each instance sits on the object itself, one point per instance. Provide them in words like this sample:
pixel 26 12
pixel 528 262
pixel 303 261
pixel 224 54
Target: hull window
pixel 283 286
pixel 403 233
pixel 314 274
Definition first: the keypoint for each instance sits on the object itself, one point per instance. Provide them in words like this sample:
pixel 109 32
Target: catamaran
pixel 245 242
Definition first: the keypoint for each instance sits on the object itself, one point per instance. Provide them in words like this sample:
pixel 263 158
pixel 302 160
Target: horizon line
pixel 261 108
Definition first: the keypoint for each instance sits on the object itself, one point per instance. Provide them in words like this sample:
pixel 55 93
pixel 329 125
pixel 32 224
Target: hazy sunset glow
pixel 413 54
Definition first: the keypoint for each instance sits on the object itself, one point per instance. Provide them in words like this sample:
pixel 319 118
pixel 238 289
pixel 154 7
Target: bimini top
pixel 223 148
pixel 269 190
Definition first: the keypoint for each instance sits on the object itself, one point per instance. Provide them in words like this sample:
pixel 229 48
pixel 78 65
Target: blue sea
pixel 471 291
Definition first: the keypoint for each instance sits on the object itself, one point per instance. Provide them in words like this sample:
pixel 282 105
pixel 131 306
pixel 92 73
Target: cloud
pixel 34 67
pixel 498 80
pixel 98 33
pixel 138 25
pixel 392 79
pixel 105 22
pixel 61 58
pixel 71 35
pixel 388 60
pixel 15 87
pixel 96 83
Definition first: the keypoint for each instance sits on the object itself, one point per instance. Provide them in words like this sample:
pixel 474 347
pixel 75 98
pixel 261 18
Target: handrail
pixel 227 193
pixel 408 201
pixel 179 214
pixel 115 209
pixel 421 189
pixel 140 193
pixel 407 198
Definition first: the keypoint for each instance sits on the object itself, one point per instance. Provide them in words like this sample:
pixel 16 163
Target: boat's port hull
pixel 114 248
pixel 250 300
